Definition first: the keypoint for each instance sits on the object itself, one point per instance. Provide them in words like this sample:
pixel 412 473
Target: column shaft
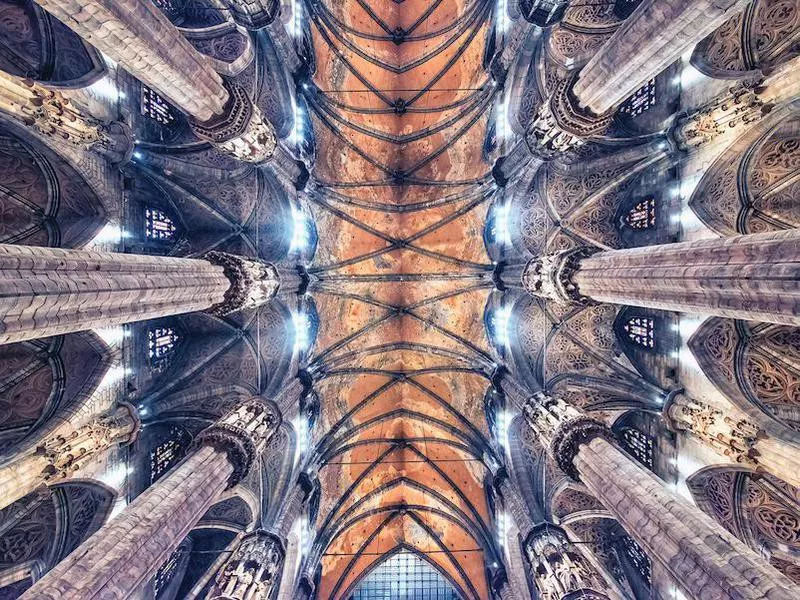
pixel 657 34
pixel 752 277
pixel 703 558
pixel 51 291
pixel 137 35
pixel 125 553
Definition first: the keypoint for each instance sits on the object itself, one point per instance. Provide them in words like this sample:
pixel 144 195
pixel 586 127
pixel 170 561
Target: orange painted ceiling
pixel 400 197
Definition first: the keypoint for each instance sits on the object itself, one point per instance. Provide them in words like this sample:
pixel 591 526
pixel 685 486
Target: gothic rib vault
pixel 401 364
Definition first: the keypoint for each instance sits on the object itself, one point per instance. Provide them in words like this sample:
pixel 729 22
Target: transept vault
pixel 399 299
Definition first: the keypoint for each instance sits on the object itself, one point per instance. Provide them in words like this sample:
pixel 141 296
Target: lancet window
pixel 638 445
pixel 642 215
pixel 154 106
pixel 641 100
pixel 158 225
pixel 641 331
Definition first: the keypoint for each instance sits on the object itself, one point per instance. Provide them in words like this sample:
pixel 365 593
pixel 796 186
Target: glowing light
pixel 116 476
pixel 301 235
pixel 688 325
pixel 300 425
pixel 106 88
pixel 501 321
pixel 112 335
pixel 502 527
pixel 111 233
pixel 296 29
pixel 113 375
pixel 690 77
pixel 503 127
pixel 301 325
pixel 502 16
pixel 502 224
pixel 504 419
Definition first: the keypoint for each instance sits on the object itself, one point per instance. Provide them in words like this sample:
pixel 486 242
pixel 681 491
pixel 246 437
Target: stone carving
pixel 240 131
pixel 550 275
pixel 253 570
pixel 563 429
pixel 242 434
pixel 254 14
pixel 66 454
pixel 762 37
pixel 51 114
pixel 253 282
pixel 559 570
pixel 734 438
pixel 560 125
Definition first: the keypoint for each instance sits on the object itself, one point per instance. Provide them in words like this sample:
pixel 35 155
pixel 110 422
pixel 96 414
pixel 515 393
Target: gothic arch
pixel 43 383
pixel 757 366
pixel 44 201
pixel 41 529
pixel 753 186
pixel 237 510
pixel 40 47
pixel 754 41
pixel 759 509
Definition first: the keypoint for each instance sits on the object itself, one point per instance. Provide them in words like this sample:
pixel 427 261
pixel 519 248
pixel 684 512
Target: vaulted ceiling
pixel 399 102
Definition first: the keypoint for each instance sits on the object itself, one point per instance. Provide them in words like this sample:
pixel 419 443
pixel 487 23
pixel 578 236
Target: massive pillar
pixel 52 291
pixel 252 571
pixel 125 553
pixel 63 455
pixel 559 571
pixel 657 34
pixel 737 439
pixel 137 35
pixel 255 14
pixel 707 561
pixel 752 277
pixel 52 115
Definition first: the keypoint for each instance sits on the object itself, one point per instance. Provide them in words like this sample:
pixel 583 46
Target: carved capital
pixel 559 570
pixel 730 437
pixel 242 434
pixel 563 429
pixel 255 14
pixel 67 453
pixel 550 276
pixel 241 130
pixel 253 282
pixel 253 569
pixel 560 125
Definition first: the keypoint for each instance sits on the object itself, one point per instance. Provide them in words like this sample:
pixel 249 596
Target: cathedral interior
pixel 400 299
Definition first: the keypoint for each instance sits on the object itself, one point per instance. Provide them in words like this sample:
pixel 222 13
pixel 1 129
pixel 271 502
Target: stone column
pixel 253 570
pixel 125 553
pixel 292 505
pixel 737 439
pixel 707 561
pixel 255 14
pixel 753 277
pixel 52 115
pixel 559 571
pixel 53 291
pixel 513 503
pixel 137 35
pixel 657 34
pixel 63 455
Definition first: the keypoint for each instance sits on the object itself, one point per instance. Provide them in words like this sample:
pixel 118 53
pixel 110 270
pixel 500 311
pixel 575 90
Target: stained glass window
pixel 165 456
pixel 642 215
pixel 405 576
pixel 161 343
pixel 155 107
pixel 641 100
pixel 166 572
pixel 637 557
pixel 158 225
pixel 641 331
pixel 638 445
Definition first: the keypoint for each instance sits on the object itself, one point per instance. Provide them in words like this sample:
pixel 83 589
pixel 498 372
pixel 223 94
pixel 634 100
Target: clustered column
pixel 52 291
pixel 253 570
pixel 750 277
pixel 127 551
pixel 559 570
pixel 63 455
pixel 737 439
pixel 137 35
pixel 707 561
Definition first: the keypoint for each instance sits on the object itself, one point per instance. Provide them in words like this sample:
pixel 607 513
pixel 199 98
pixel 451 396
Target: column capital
pixel 67 453
pixel 253 282
pixel 242 434
pixel 559 570
pixel 731 437
pixel 563 429
pixel 253 569
pixel 550 276
pixel 560 125
pixel 240 130
pixel 255 14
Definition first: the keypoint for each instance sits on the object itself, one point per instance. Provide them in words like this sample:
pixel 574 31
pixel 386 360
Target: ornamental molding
pixel 253 282
pixel 551 276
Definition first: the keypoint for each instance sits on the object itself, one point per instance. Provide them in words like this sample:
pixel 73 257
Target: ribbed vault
pixel 399 102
